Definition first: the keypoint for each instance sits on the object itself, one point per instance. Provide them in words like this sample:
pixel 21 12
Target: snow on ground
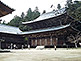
pixel 42 55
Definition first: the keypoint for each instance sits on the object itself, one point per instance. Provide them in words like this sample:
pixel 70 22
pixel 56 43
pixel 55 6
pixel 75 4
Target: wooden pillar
pixel 36 42
pixel 32 42
pixel 56 40
pixel 28 41
pixel 0 44
pixel 40 42
pixel 1 40
pixel 51 40
pixel 22 47
pixel 11 45
pixel 45 41
pixel 55 44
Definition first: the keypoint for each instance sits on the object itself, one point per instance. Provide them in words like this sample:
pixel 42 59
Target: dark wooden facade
pixel 51 38
pixel 51 22
pixel 8 39
pixel 58 37
pixel 14 39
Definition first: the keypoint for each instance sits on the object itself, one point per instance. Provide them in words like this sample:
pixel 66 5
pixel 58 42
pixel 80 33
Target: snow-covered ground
pixel 42 55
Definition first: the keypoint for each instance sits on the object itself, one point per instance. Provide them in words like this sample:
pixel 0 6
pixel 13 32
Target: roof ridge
pixel 6 5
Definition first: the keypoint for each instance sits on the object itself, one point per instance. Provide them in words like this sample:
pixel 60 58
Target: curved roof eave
pixel 9 29
pixel 46 30
pixel 4 9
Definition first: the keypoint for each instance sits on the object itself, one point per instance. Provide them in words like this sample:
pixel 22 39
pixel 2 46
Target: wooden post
pixel 1 40
pixel 22 47
pixel 45 41
pixel 40 42
pixel 0 44
pixel 67 47
pixel 32 42
pixel 51 40
pixel 11 45
pixel 36 42
pixel 28 43
pixel 55 45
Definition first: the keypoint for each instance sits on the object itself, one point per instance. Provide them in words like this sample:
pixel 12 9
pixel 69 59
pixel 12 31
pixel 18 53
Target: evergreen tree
pixel 29 14
pixel 16 21
pixel 58 6
pixel 22 15
pixel 74 10
pixel 25 28
pixel 4 22
pixel 36 13
pixel 68 3
pixel 44 11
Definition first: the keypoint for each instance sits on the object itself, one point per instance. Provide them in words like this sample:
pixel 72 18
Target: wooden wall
pixel 58 37
pixel 13 39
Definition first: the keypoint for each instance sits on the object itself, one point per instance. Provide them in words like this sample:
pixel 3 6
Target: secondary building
pixel 9 36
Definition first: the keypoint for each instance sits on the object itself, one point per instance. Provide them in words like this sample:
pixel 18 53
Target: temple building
pixel 9 36
pixel 52 29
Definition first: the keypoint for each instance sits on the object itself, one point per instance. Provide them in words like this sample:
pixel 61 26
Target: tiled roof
pixel 47 29
pixel 47 16
pixel 16 30
pixel 9 29
pixel 4 9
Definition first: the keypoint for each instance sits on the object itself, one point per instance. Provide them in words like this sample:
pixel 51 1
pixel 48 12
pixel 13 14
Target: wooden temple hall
pixel 49 30
pixel 52 29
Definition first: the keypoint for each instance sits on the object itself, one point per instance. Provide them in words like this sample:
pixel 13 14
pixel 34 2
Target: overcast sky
pixel 23 5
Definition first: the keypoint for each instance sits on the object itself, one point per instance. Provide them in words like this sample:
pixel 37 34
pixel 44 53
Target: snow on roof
pixel 15 30
pixel 45 30
pixel 9 29
pixel 47 16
